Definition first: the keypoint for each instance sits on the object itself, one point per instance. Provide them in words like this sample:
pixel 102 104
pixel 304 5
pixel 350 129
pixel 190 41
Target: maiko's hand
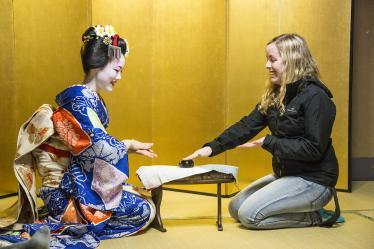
pixel 253 144
pixel 203 152
pixel 134 145
pixel 148 153
pixel 140 148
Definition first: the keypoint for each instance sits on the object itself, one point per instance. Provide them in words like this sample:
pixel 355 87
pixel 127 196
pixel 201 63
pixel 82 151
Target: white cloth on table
pixel 156 175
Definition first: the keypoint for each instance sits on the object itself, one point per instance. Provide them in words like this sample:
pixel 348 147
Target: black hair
pixel 94 52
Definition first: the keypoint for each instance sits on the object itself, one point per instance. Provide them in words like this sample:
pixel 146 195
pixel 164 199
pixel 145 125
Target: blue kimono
pixel 90 203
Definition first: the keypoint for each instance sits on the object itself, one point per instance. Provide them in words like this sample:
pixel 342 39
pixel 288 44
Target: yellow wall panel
pixel 47 45
pixel 189 77
pixel 7 107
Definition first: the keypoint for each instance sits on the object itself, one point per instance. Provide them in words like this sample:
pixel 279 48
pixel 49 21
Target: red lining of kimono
pixel 53 150
pixel 71 214
pixel 70 131
pixel 94 216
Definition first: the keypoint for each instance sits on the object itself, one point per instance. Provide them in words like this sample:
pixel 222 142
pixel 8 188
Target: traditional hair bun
pixel 100 44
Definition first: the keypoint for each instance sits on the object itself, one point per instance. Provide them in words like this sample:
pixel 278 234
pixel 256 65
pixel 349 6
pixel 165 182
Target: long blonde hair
pixel 298 64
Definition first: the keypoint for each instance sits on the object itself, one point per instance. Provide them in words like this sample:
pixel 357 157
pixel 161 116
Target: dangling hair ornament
pixel 113 49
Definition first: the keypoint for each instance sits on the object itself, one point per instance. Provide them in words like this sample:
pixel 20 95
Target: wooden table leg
pixel 157 198
pixel 219 216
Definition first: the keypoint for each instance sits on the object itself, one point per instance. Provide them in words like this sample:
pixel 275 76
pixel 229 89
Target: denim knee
pixel 234 208
pixel 248 219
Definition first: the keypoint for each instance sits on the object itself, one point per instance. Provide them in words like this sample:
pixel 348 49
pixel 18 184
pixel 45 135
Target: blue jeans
pixel 272 202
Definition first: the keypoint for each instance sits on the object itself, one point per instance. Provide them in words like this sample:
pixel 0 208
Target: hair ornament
pixel 102 31
pixel 107 40
pixel 115 40
pixel 87 38
pixel 110 38
pixel 114 51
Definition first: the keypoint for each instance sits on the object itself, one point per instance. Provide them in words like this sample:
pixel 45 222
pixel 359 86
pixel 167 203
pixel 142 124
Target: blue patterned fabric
pixel 94 178
pixel 78 179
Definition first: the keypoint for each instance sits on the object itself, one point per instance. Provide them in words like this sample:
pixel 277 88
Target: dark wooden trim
pixel 350 100
pixel 8 195
pixel 343 190
pixel 198 192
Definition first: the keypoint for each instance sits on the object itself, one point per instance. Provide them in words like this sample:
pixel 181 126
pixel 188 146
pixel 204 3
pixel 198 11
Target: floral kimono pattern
pixel 99 163
pixel 91 202
pixel 35 131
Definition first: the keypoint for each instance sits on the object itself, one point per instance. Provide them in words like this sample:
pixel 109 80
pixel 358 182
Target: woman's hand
pixel 253 144
pixel 203 152
pixel 148 153
pixel 140 148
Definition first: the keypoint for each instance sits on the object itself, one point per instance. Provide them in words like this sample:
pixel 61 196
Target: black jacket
pixel 300 141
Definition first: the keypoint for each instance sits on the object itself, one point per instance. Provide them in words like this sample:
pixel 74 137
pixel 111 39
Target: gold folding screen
pixel 7 111
pixel 195 67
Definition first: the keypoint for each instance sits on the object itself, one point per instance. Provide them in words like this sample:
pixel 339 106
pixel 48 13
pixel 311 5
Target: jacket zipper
pixel 276 129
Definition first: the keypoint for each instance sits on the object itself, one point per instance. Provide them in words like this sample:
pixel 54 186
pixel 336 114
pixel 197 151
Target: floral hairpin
pixel 106 32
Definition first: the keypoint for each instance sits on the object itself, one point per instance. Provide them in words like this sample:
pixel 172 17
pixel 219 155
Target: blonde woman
pixel 299 112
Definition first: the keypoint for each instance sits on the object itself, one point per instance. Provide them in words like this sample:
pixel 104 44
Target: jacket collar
pixel 292 89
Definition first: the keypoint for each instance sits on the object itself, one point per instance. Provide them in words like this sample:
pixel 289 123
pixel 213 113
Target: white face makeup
pixel 107 77
pixel 274 64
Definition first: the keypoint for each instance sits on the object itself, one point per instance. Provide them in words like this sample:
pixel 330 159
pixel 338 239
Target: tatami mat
pixel 190 223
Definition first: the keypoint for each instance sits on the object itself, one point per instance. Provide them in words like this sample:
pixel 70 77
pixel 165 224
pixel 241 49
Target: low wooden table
pixel 212 177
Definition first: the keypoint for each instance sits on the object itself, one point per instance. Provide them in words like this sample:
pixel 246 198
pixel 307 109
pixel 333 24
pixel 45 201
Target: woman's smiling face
pixel 274 63
pixel 110 74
